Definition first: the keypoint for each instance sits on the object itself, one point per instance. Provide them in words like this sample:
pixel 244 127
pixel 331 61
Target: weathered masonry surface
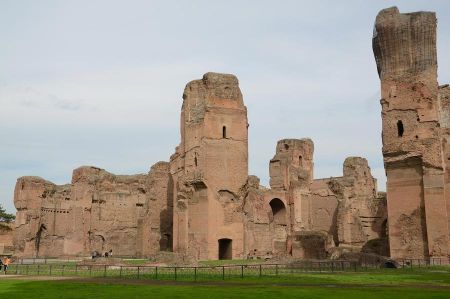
pixel 203 204
pixel 415 114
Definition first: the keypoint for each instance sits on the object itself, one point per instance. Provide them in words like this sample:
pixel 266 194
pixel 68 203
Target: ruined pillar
pixel 404 46
pixel 209 168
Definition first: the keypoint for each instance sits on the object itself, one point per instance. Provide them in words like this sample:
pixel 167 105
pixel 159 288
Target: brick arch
pixel 279 211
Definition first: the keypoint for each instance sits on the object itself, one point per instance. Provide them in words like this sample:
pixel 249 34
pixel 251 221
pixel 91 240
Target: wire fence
pixel 190 273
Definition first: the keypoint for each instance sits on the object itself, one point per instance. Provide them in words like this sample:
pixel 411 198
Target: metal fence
pixel 179 273
pixel 404 263
pixel 193 273
pixel 190 273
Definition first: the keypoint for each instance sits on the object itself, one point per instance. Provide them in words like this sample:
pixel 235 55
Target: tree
pixel 6 217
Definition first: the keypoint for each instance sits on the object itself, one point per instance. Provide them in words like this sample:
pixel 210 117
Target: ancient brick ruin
pixel 6 238
pixel 415 113
pixel 203 204
pixel 97 211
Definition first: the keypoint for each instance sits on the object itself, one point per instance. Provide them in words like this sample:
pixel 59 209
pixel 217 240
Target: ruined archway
pixel 278 225
pixel 278 211
pixel 225 249
pixel 38 237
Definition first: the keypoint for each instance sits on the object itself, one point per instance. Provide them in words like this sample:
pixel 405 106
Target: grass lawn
pixel 229 262
pixel 136 262
pixel 73 289
pixel 421 283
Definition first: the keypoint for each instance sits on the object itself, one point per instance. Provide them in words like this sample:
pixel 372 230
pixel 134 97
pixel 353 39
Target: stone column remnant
pixel 404 46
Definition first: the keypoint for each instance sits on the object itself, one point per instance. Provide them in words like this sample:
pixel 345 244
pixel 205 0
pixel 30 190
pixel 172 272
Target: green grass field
pixel 395 283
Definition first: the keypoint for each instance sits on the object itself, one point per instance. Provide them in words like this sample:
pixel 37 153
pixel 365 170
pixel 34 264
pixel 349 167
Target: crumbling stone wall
pixel 404 46
pixel 203 204
pixel 97 211
pixel 320 214
pixel 6 238
pixel 444 120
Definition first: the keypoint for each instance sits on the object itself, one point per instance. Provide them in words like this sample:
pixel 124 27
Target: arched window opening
pixel 224 132
pixel 278 211
pixel 400 128
pixel 286 146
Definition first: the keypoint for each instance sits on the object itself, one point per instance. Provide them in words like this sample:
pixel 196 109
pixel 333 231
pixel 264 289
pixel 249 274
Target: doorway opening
pixel 225 249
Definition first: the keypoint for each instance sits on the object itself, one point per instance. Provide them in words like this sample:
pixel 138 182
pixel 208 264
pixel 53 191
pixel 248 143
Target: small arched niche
pixel 278 211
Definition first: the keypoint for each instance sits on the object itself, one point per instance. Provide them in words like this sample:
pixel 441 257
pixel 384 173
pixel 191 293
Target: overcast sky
pixel 100 82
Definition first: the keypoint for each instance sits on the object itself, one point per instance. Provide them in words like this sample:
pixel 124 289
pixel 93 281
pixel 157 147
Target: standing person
pixel 6 263
pixel 110 252
pixel 1 264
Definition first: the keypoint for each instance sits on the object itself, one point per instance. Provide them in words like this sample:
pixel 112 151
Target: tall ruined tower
pixel 405 51
pixel 209 168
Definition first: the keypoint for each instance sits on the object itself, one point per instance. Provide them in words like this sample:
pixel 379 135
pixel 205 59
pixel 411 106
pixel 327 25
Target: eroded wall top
pixel 404 43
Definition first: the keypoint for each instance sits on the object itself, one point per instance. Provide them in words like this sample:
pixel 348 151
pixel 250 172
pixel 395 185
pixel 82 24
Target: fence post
pixel 76 269
pixel 156 272
pixel 223 272
pixel 138 274
pixel 276 269
pixel 332 266
pixel 175 273
pixel 104 271
pixel 242 271
pixel 195 273
pixel 260 270
pixel 17 268
pixel 38 270
pixel 120 272
pixel 90 270
pixel 50 269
